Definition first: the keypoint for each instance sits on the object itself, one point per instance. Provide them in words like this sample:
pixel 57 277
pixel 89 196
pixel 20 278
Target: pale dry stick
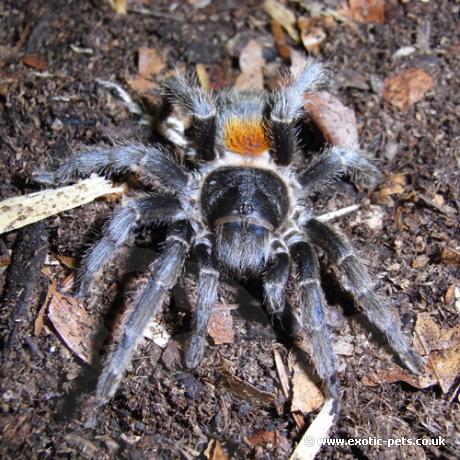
pixel 338 213
pixel 19 211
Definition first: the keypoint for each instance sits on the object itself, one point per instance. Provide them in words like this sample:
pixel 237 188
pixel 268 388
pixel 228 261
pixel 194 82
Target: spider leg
pixel 276 278
pixel 334 163
pixel 151 163
pixel 358 282
pixel 165 271
pixel 186 92
pixel 313 320
pixel 208 284
pixel 287 107
pixel 144 210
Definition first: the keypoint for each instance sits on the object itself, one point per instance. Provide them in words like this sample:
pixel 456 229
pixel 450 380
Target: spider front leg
pixel 150 163
pixel 313 321
pixel 200 106
pixel 334 163
pixel 145 210
pixel 165 271
pixel 208 284
pixel 358 282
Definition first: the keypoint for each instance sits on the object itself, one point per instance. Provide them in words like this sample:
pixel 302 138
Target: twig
pixel 339 213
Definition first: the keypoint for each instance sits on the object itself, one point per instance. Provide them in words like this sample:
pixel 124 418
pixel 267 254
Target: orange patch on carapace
pixel 245 137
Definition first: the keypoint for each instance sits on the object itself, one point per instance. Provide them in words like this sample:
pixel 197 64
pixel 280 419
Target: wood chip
pixel 281 45
pixel 336 122
pixel 306 395
pixel 35 62
pixel 450 256
pixel 251 64
pixel 119 6
pixel 407 87
pixel 312 35
pixel 284 16
pixel 23 210
pixel 215 451
pixel 364 11
pixel 220 325
pixel 319 429
pixel 39 321
pixel 150 62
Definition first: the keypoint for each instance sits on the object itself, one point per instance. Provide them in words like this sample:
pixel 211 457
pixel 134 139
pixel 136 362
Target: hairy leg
pixel 151 164
pixel 287 108
pixel 276 278
pixel 186 92
pixel 333 164
pixel 208 284
pixel 165 271
pixel 358 282
pixel 313 320
pixel 144 210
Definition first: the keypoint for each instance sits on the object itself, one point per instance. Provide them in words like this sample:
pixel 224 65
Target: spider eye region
pixel 245 137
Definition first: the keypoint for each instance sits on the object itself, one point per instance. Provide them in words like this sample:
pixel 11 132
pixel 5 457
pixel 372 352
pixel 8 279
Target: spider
pixel 239 209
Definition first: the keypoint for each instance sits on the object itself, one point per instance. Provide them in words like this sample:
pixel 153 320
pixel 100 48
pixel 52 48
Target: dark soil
pixel 160 410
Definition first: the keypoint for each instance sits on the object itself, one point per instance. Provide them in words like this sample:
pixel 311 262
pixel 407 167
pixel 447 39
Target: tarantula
pixel 241 209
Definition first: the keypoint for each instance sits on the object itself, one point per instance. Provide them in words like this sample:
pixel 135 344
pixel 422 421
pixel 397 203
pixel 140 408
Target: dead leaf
pixel 312 35
pixel 76 328
pixel 35 61
pixel 119 6
pixel 364 10
pixel 251 63
pixel 394 185
pixel 282 374
pixel 420 261
pixel 220 325
pixel 242 389
pixel 450 256
pixel 284 16
pixel 215 451
pixel 69 262
pixel 406 88
pixel 442 348
pixel 150 62
pixel 306 395
pixel 336 122
pixel 281 45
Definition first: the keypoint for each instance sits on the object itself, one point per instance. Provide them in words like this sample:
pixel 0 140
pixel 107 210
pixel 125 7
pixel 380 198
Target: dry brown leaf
pixel 395 185
pixel 220 325
pixel 215 451
pixel 311 34
pixel 69 262
pixel 281 45
pixel 244 390
pixel 76 328
pixel 336 122
pixel 251 64
pixel 284 16
pixel 364 10
pixel 35 61
pixel 407 87
pixel 150 62
pixel 119 6
pixel 282 374
pixel 263 437
pixel 420 261
pixel 306 396
pixel 450 256
pixel 441 347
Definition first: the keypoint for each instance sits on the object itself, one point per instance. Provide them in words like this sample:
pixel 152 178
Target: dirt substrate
pixel 52 106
